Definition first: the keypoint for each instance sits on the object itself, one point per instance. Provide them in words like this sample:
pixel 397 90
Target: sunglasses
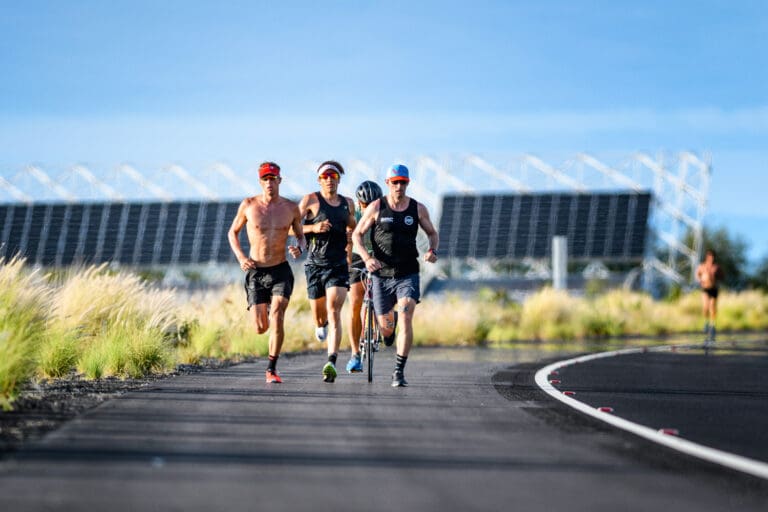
pixel 395 182
pixel 329 175
pixel 269 177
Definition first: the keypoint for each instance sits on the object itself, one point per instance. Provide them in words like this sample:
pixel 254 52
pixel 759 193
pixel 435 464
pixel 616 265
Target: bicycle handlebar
pixel 362 271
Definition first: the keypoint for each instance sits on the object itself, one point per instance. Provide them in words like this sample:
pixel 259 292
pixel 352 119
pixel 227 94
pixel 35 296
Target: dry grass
pixel 223 327
pixel 449 318
pixel 24 300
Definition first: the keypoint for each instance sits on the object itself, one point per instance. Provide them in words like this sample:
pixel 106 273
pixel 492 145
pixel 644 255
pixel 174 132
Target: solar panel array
pixel 608 227
pixel 597 226
pixel 131 233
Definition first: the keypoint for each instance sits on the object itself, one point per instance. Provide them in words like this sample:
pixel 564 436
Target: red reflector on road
pixel 569 393
pixel 605 409
pixel 554 382
pixel 669 431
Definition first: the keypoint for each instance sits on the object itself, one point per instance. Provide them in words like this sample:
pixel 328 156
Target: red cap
pixel 269 169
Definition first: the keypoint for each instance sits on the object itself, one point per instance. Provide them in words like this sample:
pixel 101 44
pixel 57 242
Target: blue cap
pixel 398 171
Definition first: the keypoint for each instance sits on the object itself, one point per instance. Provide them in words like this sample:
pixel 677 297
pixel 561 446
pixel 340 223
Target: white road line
pixel 730 460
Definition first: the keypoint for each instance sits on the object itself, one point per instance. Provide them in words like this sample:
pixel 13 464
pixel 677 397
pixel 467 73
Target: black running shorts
pixel 319 278
pixel 264 282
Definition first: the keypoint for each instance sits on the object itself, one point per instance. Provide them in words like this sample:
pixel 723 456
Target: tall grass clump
pixel 223 327
pixel 58 354
pixel 619 312
pixel 202 342
pixel 120 326
pixel 739 311
pixel 23 307
pixel 126 349
pixel 220 325
pixel 552 314
pixel 449 320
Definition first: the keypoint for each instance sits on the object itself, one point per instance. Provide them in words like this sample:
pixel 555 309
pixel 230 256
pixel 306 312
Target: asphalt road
pixel 472 432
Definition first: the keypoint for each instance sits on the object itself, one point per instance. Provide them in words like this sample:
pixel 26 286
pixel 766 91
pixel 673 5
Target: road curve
pixel 472 432
pixel 705 401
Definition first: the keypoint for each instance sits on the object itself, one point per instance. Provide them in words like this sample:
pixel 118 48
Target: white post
pixel 559 262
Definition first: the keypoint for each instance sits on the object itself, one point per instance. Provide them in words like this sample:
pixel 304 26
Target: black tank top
pixel 329 248
pixel 394 239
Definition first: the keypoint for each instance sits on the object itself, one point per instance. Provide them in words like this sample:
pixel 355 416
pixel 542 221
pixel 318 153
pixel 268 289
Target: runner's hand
pixel 430 257
pixel 295 251
pixel 323 226
pixel 247 264
pixel 372 264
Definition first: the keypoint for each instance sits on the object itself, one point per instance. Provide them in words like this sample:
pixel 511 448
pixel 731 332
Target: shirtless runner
pixel 709 275
pixel 268 218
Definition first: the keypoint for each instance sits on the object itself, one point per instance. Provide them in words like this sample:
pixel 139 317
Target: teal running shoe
pixel 329 372
pixel 355 365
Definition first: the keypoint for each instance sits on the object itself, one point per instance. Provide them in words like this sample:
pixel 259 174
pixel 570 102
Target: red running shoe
pixel 273 377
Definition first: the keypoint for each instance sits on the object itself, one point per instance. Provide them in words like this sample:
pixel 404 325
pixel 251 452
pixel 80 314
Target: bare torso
pixel 708 274
pixel 267 225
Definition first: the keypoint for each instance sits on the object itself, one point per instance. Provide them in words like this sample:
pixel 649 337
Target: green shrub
pixel 92 363
pixel 205 341
pixel 148 353
pixel 59 353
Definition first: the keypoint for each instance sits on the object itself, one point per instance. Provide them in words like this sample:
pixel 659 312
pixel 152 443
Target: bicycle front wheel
pixel 370 332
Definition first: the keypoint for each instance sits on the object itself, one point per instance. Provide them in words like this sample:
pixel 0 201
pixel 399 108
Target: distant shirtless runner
pixel 269 280
pixel 709 275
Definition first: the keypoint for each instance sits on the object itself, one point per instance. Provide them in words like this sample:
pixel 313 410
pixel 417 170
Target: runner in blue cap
pixel 395 219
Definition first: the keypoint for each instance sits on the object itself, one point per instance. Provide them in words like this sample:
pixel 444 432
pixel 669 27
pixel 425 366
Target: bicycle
pixel 369 345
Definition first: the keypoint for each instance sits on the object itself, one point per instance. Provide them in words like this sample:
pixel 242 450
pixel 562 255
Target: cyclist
pixel 366 193
pixel 394 263
pixel 268 280
pixel 327 217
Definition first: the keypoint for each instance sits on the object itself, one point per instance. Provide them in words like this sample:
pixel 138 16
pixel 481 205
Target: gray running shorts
pixel 388 290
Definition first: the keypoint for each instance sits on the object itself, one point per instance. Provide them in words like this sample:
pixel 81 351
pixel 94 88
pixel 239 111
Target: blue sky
pixel 195 82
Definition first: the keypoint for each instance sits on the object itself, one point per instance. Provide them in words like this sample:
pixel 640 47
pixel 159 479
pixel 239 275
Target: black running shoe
pixel 398 379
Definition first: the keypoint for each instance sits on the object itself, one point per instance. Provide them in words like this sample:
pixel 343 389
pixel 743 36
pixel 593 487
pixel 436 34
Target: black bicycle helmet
pixel 368 191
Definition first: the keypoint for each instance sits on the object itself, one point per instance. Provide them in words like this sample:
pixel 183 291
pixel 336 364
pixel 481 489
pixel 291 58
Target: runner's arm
pixel 298 232
pixel 308 207
pixel 351 223
pixel 366 222
pixel 233 236
pixel 429 229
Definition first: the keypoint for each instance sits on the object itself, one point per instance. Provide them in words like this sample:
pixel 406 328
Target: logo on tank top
pixel 387 219
pixel 408 220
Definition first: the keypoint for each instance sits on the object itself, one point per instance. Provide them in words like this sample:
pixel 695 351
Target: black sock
pixel 332 358
pixel 400 362
pixel 272 363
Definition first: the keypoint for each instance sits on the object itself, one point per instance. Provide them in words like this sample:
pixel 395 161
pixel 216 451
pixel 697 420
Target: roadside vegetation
pixel 93 323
